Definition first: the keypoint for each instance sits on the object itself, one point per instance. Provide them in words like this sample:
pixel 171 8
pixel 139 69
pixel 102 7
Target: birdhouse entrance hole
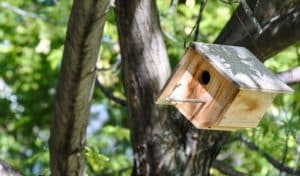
pixel 204 77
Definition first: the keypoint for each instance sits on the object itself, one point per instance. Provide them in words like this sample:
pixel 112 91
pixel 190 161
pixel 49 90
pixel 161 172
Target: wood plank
pixel 247 109
pixel 172 82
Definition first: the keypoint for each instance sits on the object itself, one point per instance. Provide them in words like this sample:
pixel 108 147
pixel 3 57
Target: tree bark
pixel 164 143
pixel 145 67
pixel 280 22
pixel 75 87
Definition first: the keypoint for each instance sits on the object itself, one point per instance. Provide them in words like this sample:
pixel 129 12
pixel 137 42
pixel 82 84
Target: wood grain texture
pixel 219 92
pixel 247 109
pixel 173 80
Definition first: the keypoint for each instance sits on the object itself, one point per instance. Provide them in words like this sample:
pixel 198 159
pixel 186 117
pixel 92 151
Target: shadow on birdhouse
pixel 221 87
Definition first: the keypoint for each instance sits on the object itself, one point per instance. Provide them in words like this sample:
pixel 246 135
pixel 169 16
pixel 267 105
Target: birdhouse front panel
pixel 221 87
pixel 198 80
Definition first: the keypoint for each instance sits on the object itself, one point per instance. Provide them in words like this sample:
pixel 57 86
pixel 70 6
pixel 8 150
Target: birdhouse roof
pixel 241 66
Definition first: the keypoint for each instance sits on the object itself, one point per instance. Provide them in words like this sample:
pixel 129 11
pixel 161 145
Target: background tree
pixel 31 43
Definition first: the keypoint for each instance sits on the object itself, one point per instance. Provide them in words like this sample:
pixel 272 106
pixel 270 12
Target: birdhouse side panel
pixel 247 109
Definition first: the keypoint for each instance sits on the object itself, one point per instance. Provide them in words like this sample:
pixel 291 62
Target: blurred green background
pixel 31 42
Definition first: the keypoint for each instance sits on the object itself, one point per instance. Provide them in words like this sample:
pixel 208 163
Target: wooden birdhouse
pixel 221 87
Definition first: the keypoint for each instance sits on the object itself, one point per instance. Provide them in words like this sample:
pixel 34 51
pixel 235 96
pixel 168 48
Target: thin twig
pixel 6 169
pixel 275 163
pixel 169 36
pixel 109 95
pixel 173 5
pixel 297 155
pixel 18 11
pixel 298 54
pixel 285 150
pixel 226 169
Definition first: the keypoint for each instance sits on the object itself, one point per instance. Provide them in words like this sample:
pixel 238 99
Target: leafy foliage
pixel 31 43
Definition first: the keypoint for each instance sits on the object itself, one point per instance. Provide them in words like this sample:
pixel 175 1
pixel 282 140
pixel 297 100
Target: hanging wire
pixel 196 26
pixel 247 10
pixel 201 9
pixel 245 6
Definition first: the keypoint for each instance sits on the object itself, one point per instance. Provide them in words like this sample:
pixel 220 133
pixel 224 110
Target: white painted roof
pixel 242 67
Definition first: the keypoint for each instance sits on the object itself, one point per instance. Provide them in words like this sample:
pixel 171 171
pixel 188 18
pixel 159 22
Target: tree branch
pixel 280 24
pixel 7 170
pixel 285 149
pixel 250 15
pixel 18 11
pixel 290 76
pixel 109 95
pixel 226 169
pixel 270 159
pixel 173 5
pixel 281 32
pixel 75 87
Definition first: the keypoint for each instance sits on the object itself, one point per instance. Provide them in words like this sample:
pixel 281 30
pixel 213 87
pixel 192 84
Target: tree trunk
pixel 145 67
pixel 75 87
pixel 164 143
